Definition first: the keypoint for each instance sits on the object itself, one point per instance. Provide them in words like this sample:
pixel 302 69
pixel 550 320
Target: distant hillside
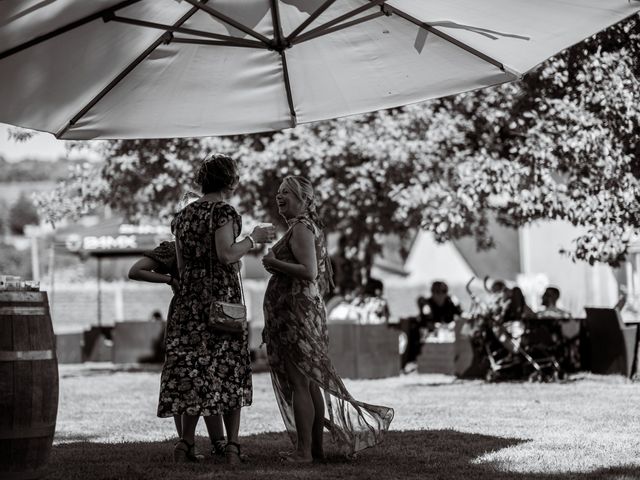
pixel 10 192
pixel 31 170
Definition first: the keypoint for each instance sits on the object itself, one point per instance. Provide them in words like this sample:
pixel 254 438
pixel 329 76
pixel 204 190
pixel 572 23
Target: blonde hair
pixel 302 188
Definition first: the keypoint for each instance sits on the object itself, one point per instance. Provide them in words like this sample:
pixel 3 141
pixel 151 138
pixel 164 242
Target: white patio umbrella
pixel 85 69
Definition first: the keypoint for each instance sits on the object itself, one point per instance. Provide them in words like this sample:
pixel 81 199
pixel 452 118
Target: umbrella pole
pixel 99 292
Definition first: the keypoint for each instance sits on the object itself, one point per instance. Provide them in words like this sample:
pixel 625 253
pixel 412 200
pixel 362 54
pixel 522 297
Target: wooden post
pixel 35 259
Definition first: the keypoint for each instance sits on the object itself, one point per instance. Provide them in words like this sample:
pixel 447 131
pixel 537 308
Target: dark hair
pixel 373 285
pixel 498 286
pixel 439 287
pixel 217 173
pixel 553 292
pixel 517 305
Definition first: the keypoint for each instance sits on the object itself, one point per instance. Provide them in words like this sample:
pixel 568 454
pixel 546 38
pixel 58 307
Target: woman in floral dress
pixel 207 373
pixel 304 380
pixel 160 266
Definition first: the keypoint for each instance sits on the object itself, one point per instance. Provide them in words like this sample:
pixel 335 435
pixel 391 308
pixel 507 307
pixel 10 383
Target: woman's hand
pixel 264 234
pixel 267 261
pixel 175 285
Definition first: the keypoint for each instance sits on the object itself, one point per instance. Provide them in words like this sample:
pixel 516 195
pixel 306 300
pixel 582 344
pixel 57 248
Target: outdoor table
pixel 612 343
pixel 364 351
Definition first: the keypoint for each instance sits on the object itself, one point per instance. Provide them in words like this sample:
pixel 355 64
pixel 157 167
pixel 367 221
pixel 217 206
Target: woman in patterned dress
pixel 304 380
pixel 160 266
pixel 208 373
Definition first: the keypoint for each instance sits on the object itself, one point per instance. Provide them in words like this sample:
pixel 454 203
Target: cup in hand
pixel 264 233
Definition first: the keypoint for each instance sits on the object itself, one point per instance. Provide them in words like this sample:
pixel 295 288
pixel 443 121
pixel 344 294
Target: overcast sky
pixel 42 146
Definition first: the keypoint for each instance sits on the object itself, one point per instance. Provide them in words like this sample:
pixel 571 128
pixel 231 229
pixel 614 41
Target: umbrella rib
pixel 65 28
pixel 165 37
pixel 452 40
pixel 279 39
pixel 315 34
pixel 218 43
pixel 337 20
pixel 229 21
pixel 187 31
pixel 308 21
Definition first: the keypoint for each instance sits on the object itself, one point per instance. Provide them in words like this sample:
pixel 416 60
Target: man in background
pixel 439 309
pixel 550 299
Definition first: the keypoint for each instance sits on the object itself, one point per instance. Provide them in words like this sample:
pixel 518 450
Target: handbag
pixel 225 317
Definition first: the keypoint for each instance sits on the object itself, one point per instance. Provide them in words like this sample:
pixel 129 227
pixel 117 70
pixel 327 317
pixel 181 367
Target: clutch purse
pixel 225 317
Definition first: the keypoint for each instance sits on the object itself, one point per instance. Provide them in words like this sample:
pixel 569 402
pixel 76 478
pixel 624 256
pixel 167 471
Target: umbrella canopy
pixel 170 68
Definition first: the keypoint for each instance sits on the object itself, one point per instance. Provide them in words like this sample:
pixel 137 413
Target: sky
pixel 43 146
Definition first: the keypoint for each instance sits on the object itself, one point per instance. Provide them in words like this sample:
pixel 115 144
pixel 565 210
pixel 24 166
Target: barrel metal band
pixel 23 310
pixel 17 355
pixel 32 431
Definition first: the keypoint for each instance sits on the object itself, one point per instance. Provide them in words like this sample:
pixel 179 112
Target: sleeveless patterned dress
pixel 296 331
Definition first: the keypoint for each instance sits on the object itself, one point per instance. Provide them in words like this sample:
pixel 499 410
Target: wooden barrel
pixel 28 384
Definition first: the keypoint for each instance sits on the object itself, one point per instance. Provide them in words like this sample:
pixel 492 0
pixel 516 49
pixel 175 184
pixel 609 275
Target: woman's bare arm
pixel 228 250
pixel 304 250
pixel 144 271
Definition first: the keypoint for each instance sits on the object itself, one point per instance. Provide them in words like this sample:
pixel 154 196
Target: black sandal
pixel 185 452
pixel 232 453
pixel 217 447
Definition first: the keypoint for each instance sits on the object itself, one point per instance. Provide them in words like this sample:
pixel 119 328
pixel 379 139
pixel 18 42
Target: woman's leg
pixel 178 421
pixel 189 423
pixel 318 420
pixel 232 425
pixel 303 409
pixel 214 427
pixel 184 450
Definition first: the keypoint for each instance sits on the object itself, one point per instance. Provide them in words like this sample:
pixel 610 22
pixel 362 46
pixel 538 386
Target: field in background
pixel 584 428
pixel 74 305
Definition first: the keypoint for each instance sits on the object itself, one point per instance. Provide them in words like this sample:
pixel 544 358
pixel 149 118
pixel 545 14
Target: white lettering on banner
pixel 107 242
pixel 128 229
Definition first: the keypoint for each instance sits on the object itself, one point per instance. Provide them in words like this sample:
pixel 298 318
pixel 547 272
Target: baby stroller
pixel 515 349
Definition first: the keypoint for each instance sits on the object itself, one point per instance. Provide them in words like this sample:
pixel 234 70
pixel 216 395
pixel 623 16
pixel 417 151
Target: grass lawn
pixel 585 428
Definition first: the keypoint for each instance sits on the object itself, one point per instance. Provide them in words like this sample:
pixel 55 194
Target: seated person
pixel 550 299
pixel 569 333
pixel 375 309
pixel 439 308
pixel 498 286
pixel 517 308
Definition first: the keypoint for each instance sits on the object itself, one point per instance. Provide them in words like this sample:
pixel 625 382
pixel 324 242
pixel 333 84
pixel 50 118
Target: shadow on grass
pixel 436 454
pixel 101 369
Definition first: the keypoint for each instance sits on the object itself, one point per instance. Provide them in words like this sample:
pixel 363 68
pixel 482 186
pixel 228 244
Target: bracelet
pixel 253 242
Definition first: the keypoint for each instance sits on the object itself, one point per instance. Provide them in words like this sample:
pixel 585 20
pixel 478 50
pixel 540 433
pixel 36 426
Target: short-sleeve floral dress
pixel 295 330
pixel 205 373
pixel 165 256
